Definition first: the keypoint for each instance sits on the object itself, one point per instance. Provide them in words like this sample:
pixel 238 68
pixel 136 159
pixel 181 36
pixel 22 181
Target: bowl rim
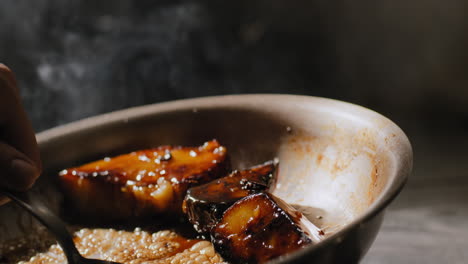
pixel 404 160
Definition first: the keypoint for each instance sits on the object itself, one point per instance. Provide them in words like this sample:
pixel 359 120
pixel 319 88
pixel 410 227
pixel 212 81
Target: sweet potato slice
pixel 261 227
pixel 143 182
pixel 205 204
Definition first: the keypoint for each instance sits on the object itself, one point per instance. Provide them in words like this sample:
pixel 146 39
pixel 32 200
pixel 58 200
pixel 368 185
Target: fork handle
pixel 53 223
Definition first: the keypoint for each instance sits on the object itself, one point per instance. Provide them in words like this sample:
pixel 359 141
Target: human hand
pixel 20 164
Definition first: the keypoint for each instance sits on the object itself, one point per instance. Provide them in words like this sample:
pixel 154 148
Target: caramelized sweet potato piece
pixel 143 182
pixel 261 227
pixel 205 204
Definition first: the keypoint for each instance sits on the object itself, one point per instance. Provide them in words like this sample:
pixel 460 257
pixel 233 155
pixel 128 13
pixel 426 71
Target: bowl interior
pixel 337 160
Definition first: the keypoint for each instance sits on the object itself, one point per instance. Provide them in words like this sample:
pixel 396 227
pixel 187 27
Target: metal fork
pixel 53 223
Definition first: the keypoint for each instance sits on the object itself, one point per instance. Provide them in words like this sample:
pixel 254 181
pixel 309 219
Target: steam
pixel 79 58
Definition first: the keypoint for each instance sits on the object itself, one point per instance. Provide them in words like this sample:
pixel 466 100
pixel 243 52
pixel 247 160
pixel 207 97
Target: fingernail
pixel 3 200
pixel 22 175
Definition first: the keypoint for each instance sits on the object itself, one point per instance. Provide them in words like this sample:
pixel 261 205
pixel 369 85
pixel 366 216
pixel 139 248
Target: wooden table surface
pixel 428 222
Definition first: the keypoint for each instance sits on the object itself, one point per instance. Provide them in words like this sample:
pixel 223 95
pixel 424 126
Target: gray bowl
pixel 340 164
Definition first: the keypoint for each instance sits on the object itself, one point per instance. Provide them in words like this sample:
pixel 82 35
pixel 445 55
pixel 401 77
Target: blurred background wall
pixel 406 59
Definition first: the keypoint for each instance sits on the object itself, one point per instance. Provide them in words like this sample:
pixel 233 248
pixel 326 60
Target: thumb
pixel 20 164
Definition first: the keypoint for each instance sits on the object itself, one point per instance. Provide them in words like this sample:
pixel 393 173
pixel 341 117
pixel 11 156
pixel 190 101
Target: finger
pixel 10 77
pixel 18 171
pixel 21 153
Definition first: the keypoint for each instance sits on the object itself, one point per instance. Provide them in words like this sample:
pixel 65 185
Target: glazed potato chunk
pixel 261 227
pixel 143 182
pixel 205 204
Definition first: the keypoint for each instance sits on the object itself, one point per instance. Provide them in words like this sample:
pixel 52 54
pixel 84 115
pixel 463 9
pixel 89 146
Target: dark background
pixel 405 59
